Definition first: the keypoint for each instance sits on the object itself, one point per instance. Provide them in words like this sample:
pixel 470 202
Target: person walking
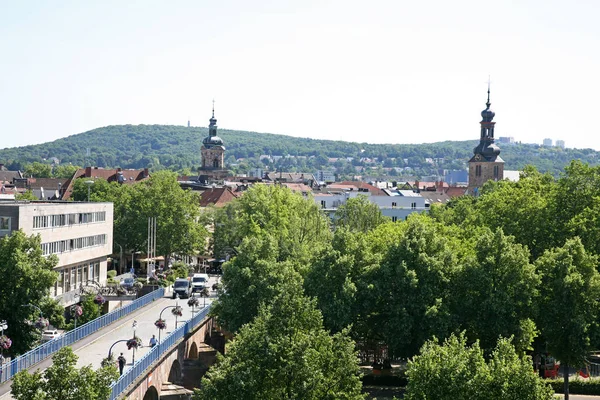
pixel 153 341
pixel 122 362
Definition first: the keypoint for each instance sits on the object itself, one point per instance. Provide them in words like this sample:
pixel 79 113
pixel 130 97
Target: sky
pixel 378 71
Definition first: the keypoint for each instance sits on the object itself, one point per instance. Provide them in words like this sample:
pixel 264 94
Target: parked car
pixel 199 282
pixel 127 283
pixel 50 334
pixel 182 288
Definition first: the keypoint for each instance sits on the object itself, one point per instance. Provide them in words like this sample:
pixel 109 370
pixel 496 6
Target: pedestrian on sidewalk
pixel 122 362
pixel 152 341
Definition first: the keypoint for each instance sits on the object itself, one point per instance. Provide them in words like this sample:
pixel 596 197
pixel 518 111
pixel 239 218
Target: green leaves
pixel 285 353
pixel 26 278
pixel 455 371
pixel 62 380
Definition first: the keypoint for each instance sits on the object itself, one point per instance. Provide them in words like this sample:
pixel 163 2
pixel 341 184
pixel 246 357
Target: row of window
pixel 70 278
pixel 63 246
pixel 49 221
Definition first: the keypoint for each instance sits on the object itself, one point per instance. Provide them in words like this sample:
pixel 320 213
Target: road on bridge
pixel 93 349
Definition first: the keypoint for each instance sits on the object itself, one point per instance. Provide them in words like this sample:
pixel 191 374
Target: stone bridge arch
pixel 175 373
pixel 193 352
pixel 151 394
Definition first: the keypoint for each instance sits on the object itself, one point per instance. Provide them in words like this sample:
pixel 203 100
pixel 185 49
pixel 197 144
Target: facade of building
pixel 213 153
pixel 560 143
pixel 325 176
pixel 80 234
pixel 394 204
pixel 547 142
pixel 486 163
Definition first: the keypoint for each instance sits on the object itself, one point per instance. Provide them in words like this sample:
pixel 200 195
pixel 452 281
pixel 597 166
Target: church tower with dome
pixel 213 153
pixel 486 163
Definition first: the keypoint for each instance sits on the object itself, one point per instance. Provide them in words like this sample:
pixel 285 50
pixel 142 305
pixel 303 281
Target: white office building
pixel 80 234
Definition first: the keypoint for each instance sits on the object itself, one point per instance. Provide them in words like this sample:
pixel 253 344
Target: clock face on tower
pixel 478 157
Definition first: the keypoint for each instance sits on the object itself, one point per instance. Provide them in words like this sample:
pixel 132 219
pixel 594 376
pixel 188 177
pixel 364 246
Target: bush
pixel 111 274
pixel 141 280
pixel 578 386
pixel 111 281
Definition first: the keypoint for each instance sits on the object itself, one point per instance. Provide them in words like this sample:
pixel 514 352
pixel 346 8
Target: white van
pixel 199 282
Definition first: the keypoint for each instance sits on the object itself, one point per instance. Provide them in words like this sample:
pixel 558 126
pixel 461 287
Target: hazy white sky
pixel 381 71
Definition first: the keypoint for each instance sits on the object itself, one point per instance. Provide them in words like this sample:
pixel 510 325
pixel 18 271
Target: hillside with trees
pixel 178 148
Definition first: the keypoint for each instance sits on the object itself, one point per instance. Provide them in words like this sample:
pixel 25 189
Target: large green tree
pixel 285 354
pixel 412 287
pixel 297 223
pixel 64 381
pixel 496 292
pixel 252 278
pixel 455 371
pixel 26 279
pixel 569 303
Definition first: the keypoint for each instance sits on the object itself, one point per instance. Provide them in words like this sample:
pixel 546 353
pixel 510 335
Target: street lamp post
pixel 120 258
pixel 134 326
pixel 89 185
pixel 160 317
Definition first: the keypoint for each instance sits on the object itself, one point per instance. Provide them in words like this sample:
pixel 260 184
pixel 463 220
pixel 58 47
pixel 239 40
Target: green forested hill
pixel 178 148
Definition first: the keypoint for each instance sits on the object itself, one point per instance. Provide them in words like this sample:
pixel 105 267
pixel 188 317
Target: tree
pixel 411 288
pixel 297 223
pixel 38 170
pixel 27 195
pixel 358 214
pixel 26 278
pixel 100 190
pixel 338 280
pixel 62 380
pixel 64 171
pixel 252 278
pixel 496 292
pixel 455 371
pixel 285 354
pixel 568 305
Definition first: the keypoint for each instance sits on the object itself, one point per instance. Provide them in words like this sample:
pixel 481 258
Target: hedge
pixel 577 386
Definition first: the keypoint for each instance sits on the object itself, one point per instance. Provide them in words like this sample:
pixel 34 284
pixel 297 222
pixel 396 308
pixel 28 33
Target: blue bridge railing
pixel 141 365
pixel 45 350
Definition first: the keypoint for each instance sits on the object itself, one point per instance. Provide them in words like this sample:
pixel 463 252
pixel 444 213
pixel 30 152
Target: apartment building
pixel 80 234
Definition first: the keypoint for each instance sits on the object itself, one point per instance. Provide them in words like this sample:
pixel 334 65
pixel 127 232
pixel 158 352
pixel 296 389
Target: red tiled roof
pixel 455 191
pixel 217 197
pixel 110 175
pixel 297 187
pixel 375 191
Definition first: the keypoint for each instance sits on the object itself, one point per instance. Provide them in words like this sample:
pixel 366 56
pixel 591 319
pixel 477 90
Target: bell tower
pixel 486 163
pixel 213 152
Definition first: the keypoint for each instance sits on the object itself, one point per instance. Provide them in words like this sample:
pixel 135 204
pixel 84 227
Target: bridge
pixel 150 372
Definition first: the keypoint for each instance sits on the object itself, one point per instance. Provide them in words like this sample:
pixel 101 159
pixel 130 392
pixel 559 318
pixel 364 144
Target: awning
pixel 159 258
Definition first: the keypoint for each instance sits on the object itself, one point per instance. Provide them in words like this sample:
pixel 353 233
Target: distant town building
pixel 486 163
pixel 80 234
pixel 325 176
pixel 256 173
pixel 547 142
pixel 506 139
pixel 560 143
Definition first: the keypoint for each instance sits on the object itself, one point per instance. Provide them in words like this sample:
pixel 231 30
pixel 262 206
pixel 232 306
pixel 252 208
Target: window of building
pixel 4 223
pixel 323 204
pixel 393 204
pixel 478 170
pixel 496 172
pixel 57 220
pixel 413 205
pixel 394 219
